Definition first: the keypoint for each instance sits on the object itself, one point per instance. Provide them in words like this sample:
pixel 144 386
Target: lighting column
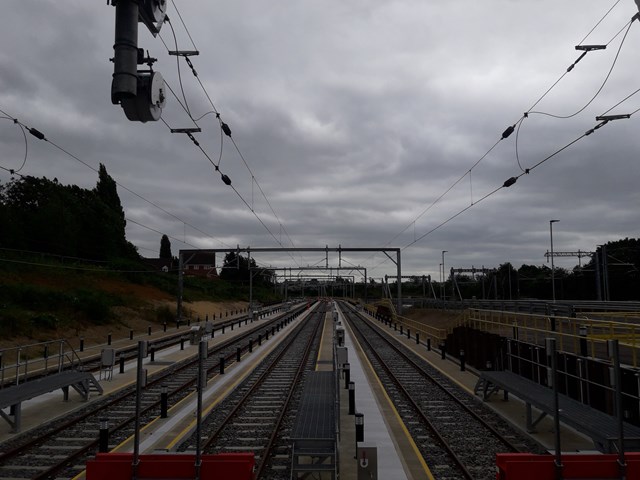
pixel 553 274
pixel 444 278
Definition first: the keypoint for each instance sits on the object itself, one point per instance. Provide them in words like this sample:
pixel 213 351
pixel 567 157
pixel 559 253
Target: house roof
pixel 195 257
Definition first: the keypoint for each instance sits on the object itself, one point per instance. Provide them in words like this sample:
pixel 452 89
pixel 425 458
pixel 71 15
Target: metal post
pixel 202 381
pixel 583 340
pixel 352 398
pixel 121 363
pixel 551 352
pixel 346 368
pixel 103 442
pixel 163 401
pixel 444 280
pixel 614 353
pixel 221 365
pixel 140 380
pixel 180 285
pixel 359 421
pixel 125 60
pixel 553 278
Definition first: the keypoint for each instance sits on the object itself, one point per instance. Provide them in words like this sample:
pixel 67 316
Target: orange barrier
pixel 526 466
pixel 222 466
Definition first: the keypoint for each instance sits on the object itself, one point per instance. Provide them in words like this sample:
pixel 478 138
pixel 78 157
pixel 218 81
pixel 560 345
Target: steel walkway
pixel 12 397
pixel 599 426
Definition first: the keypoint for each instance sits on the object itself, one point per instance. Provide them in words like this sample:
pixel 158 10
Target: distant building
pixel 161 264
pixel 199 264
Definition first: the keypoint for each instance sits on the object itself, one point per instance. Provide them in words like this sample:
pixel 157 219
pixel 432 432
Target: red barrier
pixel 222 466
pixel 526 466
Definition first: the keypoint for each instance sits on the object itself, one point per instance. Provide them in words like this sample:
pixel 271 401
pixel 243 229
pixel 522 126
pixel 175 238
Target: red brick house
pixel 199 264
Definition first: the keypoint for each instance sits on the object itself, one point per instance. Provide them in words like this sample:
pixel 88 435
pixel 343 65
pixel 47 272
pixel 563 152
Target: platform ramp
pixel 11 398
pixel 599 426
pixel 314 434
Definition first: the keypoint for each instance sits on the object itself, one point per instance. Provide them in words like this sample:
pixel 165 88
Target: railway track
pixel 93 363
pixel 258 416
pixel 456 434
pixel 60 448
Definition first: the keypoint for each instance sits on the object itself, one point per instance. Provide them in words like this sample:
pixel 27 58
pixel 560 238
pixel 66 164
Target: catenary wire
pixel 226 130
pixel 599 22
pixel 76 158
pixel 520 120
pixel 615 60
pixel 26 144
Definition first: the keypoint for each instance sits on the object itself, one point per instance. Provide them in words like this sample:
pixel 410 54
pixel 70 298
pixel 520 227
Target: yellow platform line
pixel 191 425
pixel 423 463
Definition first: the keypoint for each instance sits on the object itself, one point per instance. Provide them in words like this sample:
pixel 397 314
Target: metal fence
pixel 36 359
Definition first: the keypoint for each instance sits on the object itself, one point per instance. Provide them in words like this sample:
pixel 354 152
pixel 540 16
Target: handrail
pixel 573 334
pixel 18 364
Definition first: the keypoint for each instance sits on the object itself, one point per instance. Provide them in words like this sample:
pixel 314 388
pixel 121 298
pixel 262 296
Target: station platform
pixel 50 406
pixel 513 410
pixel 398 456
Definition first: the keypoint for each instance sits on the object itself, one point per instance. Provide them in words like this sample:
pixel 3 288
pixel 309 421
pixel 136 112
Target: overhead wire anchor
pixel 186 130
pixel 184 53
pixel 608 118
pixel 589 48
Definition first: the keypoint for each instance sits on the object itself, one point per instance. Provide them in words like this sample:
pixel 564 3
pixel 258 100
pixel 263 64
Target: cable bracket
pixel 184 53
pixel 589 48
pixel 186 130
pixel 608 118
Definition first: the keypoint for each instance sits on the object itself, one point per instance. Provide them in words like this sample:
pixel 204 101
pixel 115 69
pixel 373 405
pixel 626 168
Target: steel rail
pixel 123 396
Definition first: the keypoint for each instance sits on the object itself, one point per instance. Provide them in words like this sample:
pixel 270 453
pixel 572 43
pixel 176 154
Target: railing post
pixel 18 366
pixel 61 357
pixel 46 356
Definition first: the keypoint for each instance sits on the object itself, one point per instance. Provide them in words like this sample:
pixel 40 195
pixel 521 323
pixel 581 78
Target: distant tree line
pixel 235 269
pixel 618 278
pixel 43 215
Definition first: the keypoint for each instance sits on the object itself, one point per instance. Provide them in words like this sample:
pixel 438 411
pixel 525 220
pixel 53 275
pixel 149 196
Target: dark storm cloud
pixel 353 116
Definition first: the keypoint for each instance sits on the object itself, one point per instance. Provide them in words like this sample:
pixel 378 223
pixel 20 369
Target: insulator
pixel 226 179
pixel 39 135
pixel 510 182
pixel 508 132
pixel 225 129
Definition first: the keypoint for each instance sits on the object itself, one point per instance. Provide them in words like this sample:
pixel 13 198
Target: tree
pixel 44 216
pixel 165 248
pixel 236 269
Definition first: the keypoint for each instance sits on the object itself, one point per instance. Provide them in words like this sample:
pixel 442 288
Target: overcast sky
pixel 354 117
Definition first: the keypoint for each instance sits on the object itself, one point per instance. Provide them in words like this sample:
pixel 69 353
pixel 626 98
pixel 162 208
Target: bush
pixel 96 305
pixel 165 315
pixel 45 321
